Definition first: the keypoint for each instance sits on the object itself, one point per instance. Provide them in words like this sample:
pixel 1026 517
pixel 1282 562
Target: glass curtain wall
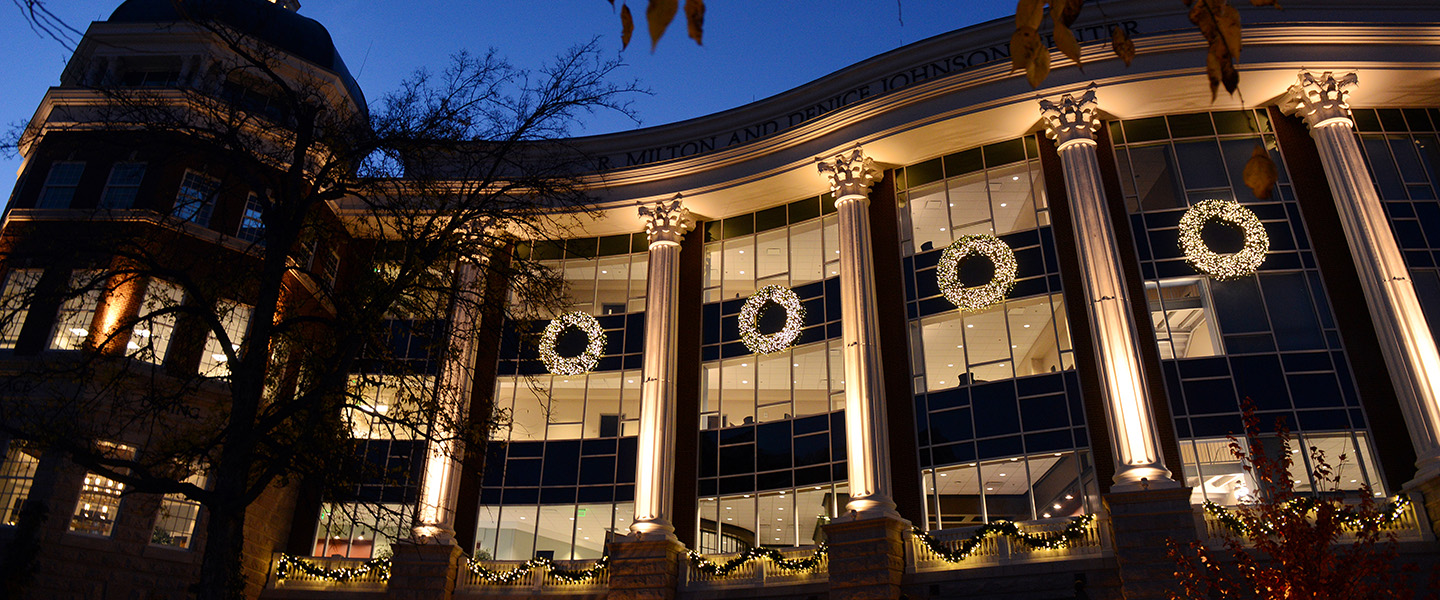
pixel 1269 337
pixel 553 416
pixel 962 358
pixel 748 399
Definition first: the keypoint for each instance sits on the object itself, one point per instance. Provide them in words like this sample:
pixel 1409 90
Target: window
pixel 60 185
pixel 1028 336
pixel 1019 488
pixel 72 324
pixel 236 319
pixel 383 404
pixel 100 496
pixel 1216 475
pixel 123 185
pixel 252 223
pixel 196 198
pixel 353 530
pixel 175 523
pixel 16 296
pixel 150 337
pixel 1180 310
pixel 17 473
pixel 329 269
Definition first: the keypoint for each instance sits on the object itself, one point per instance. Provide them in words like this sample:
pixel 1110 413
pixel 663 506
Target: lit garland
pixel 724 569
pixel 572 365
pixel 1349 518
pixel 1050 541
pixel 380 565
pixel 760 343
pixel 510 576
pixel 1223 266
pixel 980 296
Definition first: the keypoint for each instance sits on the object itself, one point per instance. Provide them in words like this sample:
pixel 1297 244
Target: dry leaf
pixel 1039 67
pixel 695 18
pixel 1265 3
pixel 1123 46
pixel 1067 44
pixel 612 4
pixel 658 15
pixel 1028 13
pixel 1220 69
pixel 1023 46
pixel 627 26
pixel 1260 172
pixel 1068 13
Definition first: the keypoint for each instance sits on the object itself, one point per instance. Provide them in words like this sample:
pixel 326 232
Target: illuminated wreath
pixel 1223 266
pixel 572 365
pixel 979 296
pixel 760 343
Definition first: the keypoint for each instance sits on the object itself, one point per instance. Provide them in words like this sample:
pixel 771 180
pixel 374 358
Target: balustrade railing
pixel 997 549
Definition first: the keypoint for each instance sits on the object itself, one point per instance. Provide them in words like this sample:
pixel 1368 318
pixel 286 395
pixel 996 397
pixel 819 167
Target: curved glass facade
pixel 1270 337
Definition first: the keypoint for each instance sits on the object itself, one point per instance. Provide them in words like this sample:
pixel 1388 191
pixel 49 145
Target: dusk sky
pixel 753 49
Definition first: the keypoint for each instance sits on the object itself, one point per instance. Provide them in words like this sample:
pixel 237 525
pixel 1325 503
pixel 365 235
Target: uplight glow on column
pixel 1405 339
pixel 435 520
pixel 665 226
pixel 1138 465
pixel 867 440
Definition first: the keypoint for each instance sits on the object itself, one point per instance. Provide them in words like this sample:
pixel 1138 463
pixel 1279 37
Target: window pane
pixel 17 295
pixel 123 185
pixel 17 473
pixel 99 501
pixel 196 198
pixel 929 217
pixel 236 319
pixel 175 522
pixel 1012 191
pixel 150 337
pixel 60 185
pixel 806 253
pixel 72 324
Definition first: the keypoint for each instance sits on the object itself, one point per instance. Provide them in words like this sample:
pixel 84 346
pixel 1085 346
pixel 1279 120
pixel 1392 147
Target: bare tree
pixel 439 176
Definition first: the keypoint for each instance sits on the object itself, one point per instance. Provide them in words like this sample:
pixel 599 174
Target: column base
pixel 1141 523
pixel 642 569
pixel 867 558
pixel 423 571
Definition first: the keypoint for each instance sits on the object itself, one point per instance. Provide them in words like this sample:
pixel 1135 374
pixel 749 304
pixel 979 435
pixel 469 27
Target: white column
pixel 1405 339
pixel 440 484
pixel 665 226
pixel 1138 462
pixel 867 441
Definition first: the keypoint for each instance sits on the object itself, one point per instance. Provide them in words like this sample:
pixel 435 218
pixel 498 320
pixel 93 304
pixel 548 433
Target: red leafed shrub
pixel 1284 545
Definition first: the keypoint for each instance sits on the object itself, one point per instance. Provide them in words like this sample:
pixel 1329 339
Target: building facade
pixel 1130 295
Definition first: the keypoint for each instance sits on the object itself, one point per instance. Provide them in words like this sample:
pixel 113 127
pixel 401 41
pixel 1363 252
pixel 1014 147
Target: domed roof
pixel 266 21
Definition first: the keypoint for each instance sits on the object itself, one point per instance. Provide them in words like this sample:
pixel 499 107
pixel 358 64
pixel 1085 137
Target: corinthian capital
pixel 850 173
pixel 1322 100
pixel 1073 120
pixel 667 222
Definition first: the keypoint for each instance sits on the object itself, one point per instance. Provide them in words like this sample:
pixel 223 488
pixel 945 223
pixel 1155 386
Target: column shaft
pixel 665 225
pixel 1405 338
pixel 866 435
pixel 867 440
pixel 1139 464
pixel 440 485
pixel 654 478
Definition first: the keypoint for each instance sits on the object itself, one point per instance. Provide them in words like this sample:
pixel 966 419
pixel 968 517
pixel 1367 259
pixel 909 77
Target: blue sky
pixel 753 48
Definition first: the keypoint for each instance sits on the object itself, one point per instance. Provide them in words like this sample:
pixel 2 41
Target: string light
pixel 510 576
pixel 760 343
pixel 1229 266
pixel 1349 518
pixel 801 565
pixel 572 365
pixel 962 550
pixel 288 565
pixel 981 296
